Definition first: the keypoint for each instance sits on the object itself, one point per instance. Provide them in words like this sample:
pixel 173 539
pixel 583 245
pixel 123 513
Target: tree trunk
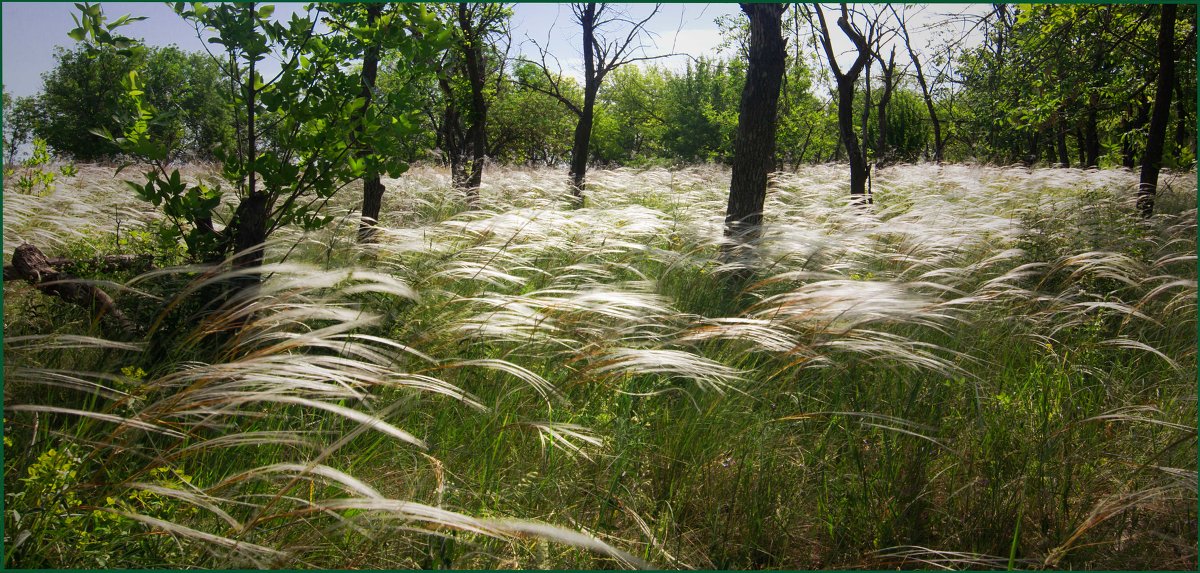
pixel 754 146
pixel 452 136
pixel 1152 159
pixel 372 202
pixel 1092 134
pixel 858 163
pixel 372 185
pixel 889 71
pixel 591 85
pixel 1064 160
pixel 866 113
pixel 583 139
pixel 925 95
pixel 250 232
pixel 477 131
pixel 845 89
pixel 250 219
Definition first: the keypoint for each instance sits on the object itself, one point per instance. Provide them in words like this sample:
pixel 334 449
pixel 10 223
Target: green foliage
pixel 85 93
pixel 527 126
pixel 1077 69
pixel 469 79
pixel 909 133
pixel 48 523
pixel 35 175
pixel 189 85
pixel 807 127
pixel 319 121
pixel 410 38
pixel 702 109
pixel 23 118
pixel 629 120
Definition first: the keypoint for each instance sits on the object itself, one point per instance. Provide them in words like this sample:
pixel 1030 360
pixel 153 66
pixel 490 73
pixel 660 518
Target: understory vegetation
pixel 988 367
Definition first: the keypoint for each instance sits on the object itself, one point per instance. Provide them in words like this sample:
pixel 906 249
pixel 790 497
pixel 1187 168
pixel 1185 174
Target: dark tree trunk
pixel 477 131
pixel 845 89
pixel 250 219
pixel 464 132
pixel 754 146
pixel 866 111
pixel 889 72
pixel 1181 123
pixel 250 231
pixel 858 163
pixel 372 185
pixel 1092 134
pixel 925 95
pixel 1152 159
pixel 372 202
pixel 452 136
pixel 1064 160
pixel 583 129
pixel 582 143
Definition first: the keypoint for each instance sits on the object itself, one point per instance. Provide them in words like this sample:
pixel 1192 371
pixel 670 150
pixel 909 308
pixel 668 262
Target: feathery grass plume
pixel 902 556
pixel 989 367
pixel 707 373
pixel 297 355
pixel 564 437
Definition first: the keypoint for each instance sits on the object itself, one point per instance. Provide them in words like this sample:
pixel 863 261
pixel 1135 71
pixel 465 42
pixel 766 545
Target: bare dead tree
pixel 926 91
pixel 604 49
pixel 866 107
pixel 845 89
pixel 890 79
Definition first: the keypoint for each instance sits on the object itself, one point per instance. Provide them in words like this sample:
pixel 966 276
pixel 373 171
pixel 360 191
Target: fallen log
pixel 30 264
pixel 108 263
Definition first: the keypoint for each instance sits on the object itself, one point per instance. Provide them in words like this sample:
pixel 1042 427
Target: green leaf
pixel 266 11
pixel 103 133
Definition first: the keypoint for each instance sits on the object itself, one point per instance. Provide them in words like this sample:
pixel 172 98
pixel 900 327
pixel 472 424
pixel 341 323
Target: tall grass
pixel 990 367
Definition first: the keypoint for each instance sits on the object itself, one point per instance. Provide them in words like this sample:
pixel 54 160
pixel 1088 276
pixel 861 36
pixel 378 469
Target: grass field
pixel 986 368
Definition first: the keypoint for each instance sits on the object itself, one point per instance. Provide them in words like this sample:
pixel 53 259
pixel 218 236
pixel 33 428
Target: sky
pixel 32 30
